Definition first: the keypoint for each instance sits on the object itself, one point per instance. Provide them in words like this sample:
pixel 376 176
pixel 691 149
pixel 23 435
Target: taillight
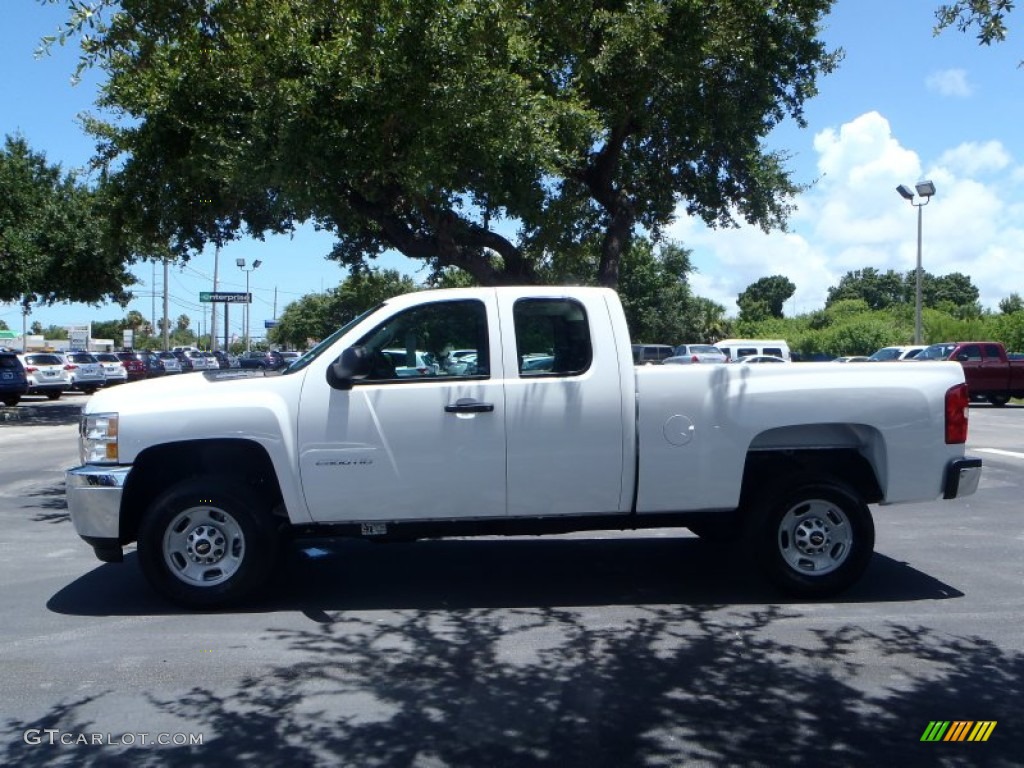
pixel 31 369
pixel 958 406
pixel 694 359
pixel 70 367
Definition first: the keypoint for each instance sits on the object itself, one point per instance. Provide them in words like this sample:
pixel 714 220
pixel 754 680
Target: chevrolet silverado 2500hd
pixel 545 427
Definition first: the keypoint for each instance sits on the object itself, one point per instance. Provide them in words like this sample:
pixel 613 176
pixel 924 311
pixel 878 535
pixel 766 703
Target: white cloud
pixel 972 158
pixel 853 218
pixel 949 82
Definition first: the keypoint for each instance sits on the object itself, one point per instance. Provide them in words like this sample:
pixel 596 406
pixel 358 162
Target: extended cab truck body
pixel 988 371
pixel 207 473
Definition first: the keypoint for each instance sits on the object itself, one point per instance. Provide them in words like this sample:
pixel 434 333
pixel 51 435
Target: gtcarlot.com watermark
pixel 56 737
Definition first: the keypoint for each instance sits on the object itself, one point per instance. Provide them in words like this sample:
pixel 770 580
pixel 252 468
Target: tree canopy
pixel 765 297
pixel 479 135
pixel 53 241
pixel 881 290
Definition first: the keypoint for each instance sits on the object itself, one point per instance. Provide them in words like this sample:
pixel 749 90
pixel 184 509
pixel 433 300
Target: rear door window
pixel 552 337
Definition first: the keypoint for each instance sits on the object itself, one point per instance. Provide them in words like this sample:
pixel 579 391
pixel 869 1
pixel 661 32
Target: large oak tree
pixel 483 135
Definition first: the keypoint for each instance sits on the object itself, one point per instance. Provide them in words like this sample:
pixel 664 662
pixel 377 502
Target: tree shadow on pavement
pixel 52 500
pixel 37 414
pixel 489 653
pixel 666 686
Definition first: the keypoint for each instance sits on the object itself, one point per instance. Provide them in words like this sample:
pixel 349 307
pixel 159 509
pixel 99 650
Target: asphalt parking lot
pixel 591 649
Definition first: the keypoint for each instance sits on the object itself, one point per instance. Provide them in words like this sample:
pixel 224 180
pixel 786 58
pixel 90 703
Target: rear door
pixel 563 419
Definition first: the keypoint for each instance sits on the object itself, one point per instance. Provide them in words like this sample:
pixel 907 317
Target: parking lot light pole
pixel 925 190
pixel 248 300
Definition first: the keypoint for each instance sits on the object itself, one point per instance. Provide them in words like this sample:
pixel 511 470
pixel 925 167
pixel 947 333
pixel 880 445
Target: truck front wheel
pixel 207 542
pixel 999 400
pixel 814 539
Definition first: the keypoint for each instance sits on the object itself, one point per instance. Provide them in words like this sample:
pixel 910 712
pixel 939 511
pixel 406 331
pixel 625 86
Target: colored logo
pixel 958 730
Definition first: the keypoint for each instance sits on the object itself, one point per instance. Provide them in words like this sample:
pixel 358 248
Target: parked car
pixel 154 365
pixel 531 363
pixel 752 359
pixel 269 359
pixel 851 359
pixel 225 359
pixel 891 354
pixel 737 348
pixel 142 365
pixel 184 361
pixel 86 371
pixel 696 353
pixel 197 360
pixel 406 367
pixel 46 374
pixel 652 354
pixel 171 363
pixel 114 371
pixel 13 380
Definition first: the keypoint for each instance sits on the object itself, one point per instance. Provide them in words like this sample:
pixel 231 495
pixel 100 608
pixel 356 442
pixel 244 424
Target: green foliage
pixel 54 246
pixel 53 332
pixel 317 315
pixel 1011 304
pixel 953 293
pixel 436 127
pixel 1009 329
pixel 874 288
pixel 655 293
pixel 765 298
pixel 986 16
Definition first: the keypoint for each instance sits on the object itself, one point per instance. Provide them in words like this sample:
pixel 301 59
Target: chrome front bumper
pixel 94 503
pixel 962 477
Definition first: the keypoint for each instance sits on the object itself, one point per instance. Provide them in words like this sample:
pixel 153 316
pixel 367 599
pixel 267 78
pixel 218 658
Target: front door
pixel 422 437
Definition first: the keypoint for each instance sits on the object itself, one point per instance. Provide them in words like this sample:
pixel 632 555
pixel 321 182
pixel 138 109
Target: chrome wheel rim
pixel 203 546
pixel 815 537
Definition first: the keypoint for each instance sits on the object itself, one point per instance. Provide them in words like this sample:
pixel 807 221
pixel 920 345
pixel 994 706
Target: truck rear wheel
pixel 999 400
pixel 813 538
pixel 207 542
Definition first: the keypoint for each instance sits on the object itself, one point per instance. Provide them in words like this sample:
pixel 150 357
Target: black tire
pixel 53 395
pixel 10 402
pixel 999 400
pixel 207 542
pixel 813 537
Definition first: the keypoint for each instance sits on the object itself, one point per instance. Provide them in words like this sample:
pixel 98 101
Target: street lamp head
pixel 240 262
pixel 905 192
pixel 256 264
pixel 925 188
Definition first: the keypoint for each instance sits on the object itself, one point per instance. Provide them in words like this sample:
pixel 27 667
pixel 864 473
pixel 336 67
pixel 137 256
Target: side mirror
pixel 962 357
pixel 353 364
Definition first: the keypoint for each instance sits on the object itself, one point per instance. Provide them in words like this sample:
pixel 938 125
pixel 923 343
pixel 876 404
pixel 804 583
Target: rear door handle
pixel 468 405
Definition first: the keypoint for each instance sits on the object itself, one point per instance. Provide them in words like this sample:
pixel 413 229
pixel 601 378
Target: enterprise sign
pixel 227 298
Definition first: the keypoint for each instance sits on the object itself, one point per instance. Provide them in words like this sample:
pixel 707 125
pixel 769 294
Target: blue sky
pixel 904 105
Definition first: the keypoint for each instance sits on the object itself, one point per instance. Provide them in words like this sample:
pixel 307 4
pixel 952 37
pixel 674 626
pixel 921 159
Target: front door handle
pixel 468 405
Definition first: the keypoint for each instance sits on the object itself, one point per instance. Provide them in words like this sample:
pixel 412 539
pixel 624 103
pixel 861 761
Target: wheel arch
pixel 766 469
pixel 159 467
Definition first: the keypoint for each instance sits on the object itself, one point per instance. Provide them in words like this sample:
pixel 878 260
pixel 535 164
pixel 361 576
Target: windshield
pixel 314 352
pixel 886 353
pixel 936 352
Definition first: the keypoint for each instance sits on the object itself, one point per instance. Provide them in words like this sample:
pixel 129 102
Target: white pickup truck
pixel 540 423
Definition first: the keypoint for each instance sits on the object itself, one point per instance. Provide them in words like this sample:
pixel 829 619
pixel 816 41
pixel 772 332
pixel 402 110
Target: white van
pixel 737 348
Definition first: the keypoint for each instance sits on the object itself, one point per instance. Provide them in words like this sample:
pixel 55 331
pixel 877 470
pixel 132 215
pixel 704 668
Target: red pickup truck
pixel 989 373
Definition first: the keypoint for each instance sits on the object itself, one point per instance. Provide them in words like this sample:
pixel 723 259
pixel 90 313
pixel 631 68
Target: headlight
pixel 97 441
